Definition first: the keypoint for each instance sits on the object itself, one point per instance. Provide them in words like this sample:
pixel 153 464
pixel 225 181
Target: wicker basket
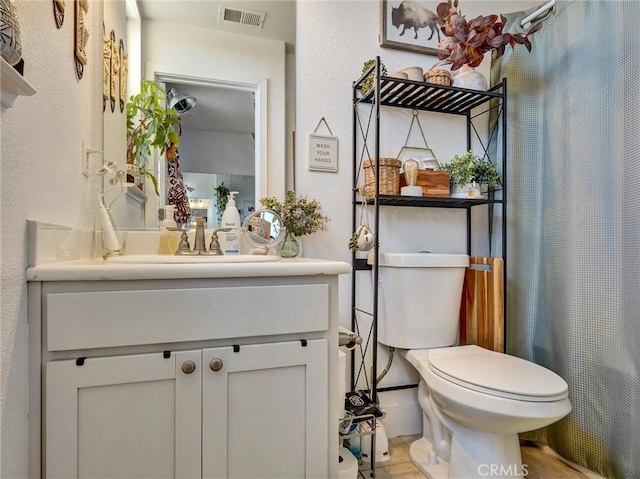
pixel 389 177
pixel 438 77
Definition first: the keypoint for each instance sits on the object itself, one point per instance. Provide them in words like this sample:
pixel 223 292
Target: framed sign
pixel 410 25
pixel 323 152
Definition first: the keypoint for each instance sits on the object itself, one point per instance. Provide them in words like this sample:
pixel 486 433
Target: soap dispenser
pixel 169 238
pixel 230 241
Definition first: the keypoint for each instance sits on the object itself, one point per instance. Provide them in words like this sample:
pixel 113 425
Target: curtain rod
pixel 540 14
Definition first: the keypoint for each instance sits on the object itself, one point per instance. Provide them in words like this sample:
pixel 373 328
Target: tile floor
pixel 540 465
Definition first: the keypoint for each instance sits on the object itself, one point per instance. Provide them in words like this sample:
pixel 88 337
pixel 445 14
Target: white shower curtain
pixel 573 284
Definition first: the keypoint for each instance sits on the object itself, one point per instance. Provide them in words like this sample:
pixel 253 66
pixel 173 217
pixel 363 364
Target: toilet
pixel 474 401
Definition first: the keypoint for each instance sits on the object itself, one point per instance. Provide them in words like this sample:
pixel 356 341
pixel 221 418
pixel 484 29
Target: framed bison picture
pixel 410 25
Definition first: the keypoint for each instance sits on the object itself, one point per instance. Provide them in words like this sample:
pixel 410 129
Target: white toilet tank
pixel 419 299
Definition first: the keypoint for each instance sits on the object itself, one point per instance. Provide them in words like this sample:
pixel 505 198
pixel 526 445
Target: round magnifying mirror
pixel 263 229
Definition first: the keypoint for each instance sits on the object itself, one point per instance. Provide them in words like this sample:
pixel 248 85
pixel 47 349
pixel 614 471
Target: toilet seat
pixel 493 373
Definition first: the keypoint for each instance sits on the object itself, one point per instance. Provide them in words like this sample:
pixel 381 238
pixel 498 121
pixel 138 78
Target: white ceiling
pixel 279 23
pixel 218 109
pixel 222 109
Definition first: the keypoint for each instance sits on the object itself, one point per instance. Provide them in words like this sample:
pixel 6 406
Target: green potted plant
pixel 461 169
pixel 222 197
pixel 300 217
pixel 149 126
pixel 367 83
pixel 486 173
pixel 466 170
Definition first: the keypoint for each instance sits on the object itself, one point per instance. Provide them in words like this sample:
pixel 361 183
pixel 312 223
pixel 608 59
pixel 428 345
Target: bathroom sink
pixel 188 259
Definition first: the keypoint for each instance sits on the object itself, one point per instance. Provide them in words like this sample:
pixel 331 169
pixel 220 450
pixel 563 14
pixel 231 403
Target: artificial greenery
pixel 468 168
pixel 300 215
pixel 460 168
pixel 149 126
pixel 367 83
pixel 486 173
pixel 466 41
pixel 222 197
pixel 353 242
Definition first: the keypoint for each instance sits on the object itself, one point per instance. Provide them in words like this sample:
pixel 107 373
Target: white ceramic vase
pixel 470 79
pixel 470 190
pixel 460 191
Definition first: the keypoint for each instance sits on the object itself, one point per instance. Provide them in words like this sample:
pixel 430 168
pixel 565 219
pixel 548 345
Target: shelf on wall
pixel 430 97
pixel 431 201
pixel 13 85
pixel 135 193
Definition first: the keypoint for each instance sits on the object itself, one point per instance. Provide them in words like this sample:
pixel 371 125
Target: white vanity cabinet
pixel 209 413
pixel 260 411
pixel 132 416
pixel 193 377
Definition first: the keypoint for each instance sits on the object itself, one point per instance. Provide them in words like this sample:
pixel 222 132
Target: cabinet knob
pixel 216 364
pixel 188 367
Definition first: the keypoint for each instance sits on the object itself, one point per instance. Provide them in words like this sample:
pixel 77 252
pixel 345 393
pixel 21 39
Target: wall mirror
pixel 219 146
pixel 236 58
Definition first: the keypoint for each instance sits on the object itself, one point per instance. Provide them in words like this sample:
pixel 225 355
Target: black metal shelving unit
pixel 391 92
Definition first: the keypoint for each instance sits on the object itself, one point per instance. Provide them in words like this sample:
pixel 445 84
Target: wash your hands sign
pixel 323 150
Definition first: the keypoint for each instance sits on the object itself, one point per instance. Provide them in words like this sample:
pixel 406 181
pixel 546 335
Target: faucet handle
pixel 184 247
pixel 214 247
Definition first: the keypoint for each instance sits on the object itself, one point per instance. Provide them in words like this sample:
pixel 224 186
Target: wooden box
pixel 434 183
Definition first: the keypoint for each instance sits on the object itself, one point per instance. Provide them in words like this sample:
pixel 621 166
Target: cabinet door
pixel 265 411
pixel 128 417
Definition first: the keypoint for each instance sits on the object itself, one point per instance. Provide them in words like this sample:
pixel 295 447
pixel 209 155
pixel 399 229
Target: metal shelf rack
pixel 408 94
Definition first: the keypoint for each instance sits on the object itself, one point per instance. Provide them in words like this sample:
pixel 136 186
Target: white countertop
pixel 98 270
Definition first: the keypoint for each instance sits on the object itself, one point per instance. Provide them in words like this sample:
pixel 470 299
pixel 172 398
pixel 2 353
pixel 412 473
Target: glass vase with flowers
pixel 300 216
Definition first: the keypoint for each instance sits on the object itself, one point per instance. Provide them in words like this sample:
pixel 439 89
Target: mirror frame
pixel 267 244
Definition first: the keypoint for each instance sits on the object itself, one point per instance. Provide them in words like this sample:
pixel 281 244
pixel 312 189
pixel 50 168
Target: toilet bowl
pixel 474 401
pixel 483 399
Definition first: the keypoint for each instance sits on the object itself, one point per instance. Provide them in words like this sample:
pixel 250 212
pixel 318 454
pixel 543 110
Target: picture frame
pixel 403 26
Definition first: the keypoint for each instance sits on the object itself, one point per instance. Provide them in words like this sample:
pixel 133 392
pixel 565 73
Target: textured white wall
pixel 41 179
pixel 333 39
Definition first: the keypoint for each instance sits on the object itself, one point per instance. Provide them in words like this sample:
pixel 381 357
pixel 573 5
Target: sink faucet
pixel 200 246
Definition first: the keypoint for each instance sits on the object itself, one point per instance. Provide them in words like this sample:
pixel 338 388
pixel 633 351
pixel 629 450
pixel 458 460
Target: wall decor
pixel 115 71
pixel 58 12
pixel 106 68
pixel 323 150
pixel 10 43
pixel 124 58
pixel 81 36
pixel 410 25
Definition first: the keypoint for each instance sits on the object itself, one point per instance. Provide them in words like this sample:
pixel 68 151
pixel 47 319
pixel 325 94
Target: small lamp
pixel 410 170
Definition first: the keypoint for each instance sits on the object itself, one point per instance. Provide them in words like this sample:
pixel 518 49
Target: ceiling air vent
pixel 242 16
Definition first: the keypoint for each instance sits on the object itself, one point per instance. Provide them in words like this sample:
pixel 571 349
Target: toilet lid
pixel 497 374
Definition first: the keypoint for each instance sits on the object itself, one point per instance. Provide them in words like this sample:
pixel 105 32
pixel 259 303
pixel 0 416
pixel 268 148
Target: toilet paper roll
pixel 342 387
